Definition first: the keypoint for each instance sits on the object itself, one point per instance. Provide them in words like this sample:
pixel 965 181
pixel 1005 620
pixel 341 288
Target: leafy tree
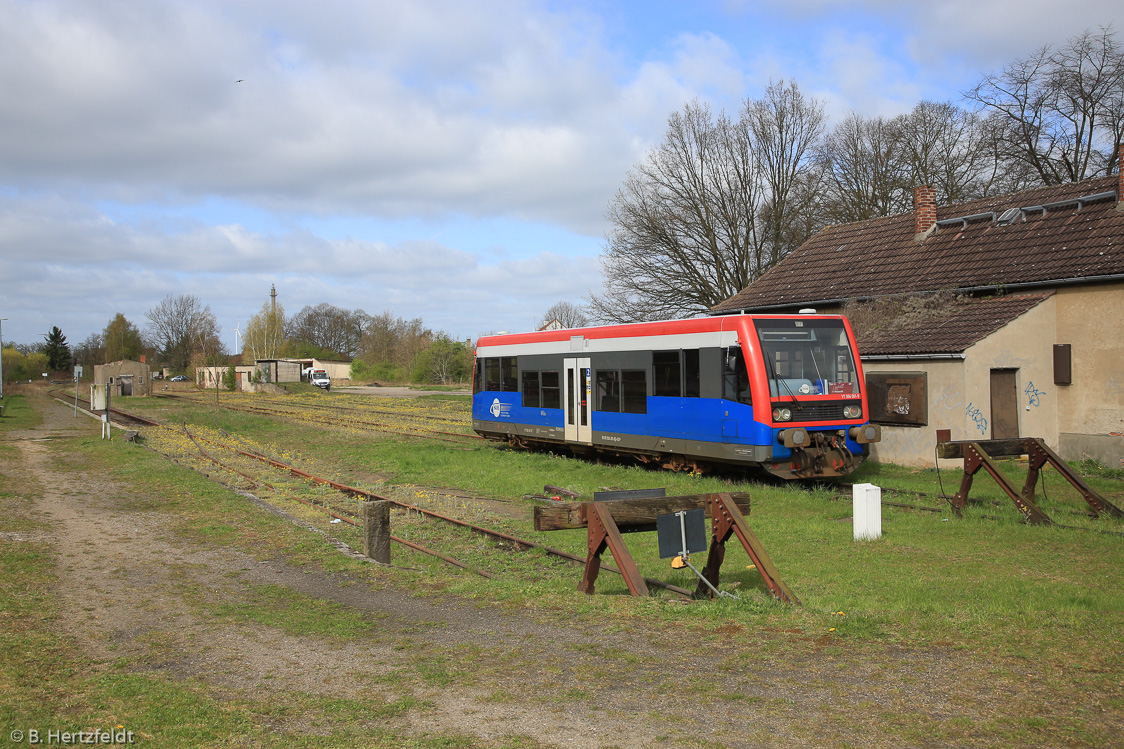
pixel 57 350
pixel 444 360
pixel 183 329
pixel 712 208
pixel 264 337
pixel 122 340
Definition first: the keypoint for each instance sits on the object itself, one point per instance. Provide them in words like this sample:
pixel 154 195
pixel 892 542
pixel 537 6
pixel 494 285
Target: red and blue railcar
pixel 779 392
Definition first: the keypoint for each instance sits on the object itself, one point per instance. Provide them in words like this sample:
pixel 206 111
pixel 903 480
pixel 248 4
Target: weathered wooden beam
pixel 626 513
pixel 994 448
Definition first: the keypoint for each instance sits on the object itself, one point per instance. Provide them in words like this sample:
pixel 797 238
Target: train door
pixel 577 401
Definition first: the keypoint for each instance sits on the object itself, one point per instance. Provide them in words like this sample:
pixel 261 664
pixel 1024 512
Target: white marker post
pixel 867 511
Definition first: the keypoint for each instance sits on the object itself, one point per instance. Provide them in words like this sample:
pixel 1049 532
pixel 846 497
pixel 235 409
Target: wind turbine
pixel 237 340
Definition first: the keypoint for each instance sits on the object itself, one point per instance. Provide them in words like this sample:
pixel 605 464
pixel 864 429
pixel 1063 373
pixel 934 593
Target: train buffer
pixel 607 519
pixel 979 454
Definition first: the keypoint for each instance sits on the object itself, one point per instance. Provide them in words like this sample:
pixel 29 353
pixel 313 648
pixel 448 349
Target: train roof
pixel 641 329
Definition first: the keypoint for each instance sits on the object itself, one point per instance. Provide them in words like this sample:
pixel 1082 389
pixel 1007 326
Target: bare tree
pixel 328 328
pixel 91 351
pixel 864 171
pixel 567 314
pixel 1059 112
pixel 949 149
pixel 180 326
pixel 710 209
pixel 394 343
pixel 784 129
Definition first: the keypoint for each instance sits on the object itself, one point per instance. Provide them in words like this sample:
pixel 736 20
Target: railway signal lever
pixel 679 534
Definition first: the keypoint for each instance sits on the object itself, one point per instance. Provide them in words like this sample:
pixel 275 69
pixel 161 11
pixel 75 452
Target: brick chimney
pixel 924 212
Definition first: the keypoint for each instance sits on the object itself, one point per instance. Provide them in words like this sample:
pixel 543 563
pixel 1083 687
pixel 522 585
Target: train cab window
pixel 478 377
pixel 531 398
pixel 812 356
pixel 551 392
pixel 735 378
pixel 665 369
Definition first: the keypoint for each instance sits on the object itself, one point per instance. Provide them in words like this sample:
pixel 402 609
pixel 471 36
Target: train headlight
pixel 782 414
pixel 852 412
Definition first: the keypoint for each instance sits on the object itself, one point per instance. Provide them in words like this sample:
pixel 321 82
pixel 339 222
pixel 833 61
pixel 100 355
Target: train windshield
pixel 807 357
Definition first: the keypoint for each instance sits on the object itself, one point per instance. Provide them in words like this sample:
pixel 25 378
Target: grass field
pixel 1044 604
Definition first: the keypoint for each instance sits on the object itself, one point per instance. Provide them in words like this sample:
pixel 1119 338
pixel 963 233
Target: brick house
pixel 998 317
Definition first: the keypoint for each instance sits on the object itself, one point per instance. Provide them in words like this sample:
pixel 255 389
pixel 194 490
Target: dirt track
pixel 131 590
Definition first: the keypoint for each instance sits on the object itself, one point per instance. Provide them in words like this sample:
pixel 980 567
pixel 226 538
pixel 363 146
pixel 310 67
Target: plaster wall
pixel 914 445
pixel 1025 345
pixel 1091 409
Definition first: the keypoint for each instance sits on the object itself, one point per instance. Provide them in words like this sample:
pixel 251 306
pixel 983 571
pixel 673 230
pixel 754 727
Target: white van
pixel 320 379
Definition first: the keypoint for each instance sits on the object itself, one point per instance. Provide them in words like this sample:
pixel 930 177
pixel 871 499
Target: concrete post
pixel 376 530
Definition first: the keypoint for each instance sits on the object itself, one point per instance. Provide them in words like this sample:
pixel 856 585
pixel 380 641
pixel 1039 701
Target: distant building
pixel 125 377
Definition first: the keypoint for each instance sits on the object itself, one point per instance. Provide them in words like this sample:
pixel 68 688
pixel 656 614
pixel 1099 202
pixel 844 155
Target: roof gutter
pixel 907 357
pixel 990 287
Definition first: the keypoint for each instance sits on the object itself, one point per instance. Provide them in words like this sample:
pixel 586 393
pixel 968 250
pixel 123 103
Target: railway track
pixel 159 437
pixel 353 416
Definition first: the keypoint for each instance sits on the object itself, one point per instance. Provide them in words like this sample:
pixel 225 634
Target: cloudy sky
pixel 449 160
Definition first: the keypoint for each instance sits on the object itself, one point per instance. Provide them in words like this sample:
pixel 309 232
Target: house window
pixel 898 398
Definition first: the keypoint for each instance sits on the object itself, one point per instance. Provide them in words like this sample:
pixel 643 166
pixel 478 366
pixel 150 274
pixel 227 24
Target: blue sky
pixel 451 161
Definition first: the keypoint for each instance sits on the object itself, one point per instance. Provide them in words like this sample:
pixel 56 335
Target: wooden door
pixel 1004 404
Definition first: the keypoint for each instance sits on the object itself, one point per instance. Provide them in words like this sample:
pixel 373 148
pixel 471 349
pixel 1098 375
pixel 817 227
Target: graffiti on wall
pixel 1033 395
pixel 977 417
pixel 948 400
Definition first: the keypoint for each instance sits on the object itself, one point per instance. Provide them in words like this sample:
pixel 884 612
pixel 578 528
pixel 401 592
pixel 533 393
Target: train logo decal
pixel 499 410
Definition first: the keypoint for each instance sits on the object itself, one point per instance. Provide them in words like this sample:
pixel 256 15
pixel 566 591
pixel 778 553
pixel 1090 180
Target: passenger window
pixel 492 377
pixel 608 390
pixel 665 371
pixel 691 376
pixel 551 393
pixel 510 383
pixel 531 389
pixel 634 391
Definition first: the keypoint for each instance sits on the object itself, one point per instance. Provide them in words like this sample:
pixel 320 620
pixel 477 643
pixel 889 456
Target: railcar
pixel 784 393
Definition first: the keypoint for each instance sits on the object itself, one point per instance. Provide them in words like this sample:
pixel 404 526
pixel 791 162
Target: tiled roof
pixel 879 257
pixel 950 329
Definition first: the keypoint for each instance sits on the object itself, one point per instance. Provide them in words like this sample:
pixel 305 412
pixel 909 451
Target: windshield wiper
pixel 782 383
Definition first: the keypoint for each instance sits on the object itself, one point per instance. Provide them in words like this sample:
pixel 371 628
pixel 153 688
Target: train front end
pixel 810 393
